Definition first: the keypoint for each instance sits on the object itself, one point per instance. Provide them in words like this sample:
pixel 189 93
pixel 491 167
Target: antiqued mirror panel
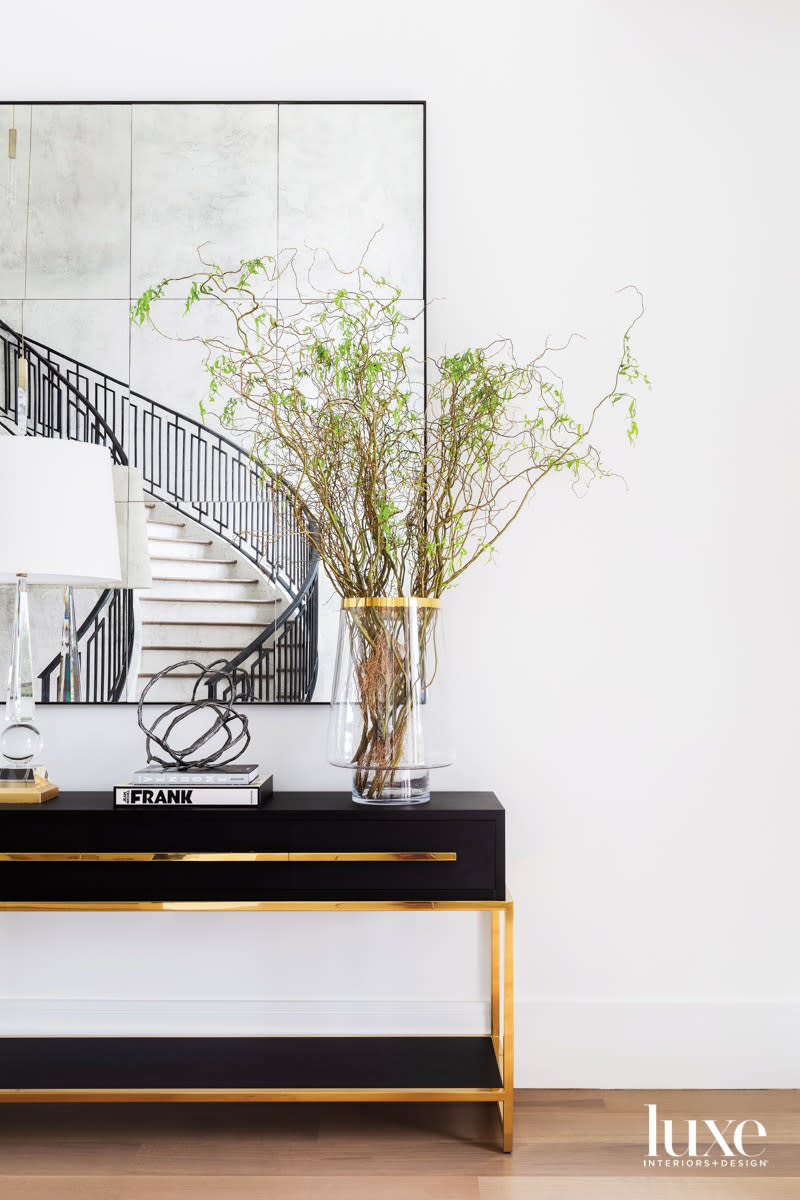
pixel 122 196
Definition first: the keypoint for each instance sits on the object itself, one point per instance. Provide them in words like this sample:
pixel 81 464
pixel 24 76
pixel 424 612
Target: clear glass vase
pixel 388 720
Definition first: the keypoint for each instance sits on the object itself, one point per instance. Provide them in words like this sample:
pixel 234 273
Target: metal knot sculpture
pixel 226 724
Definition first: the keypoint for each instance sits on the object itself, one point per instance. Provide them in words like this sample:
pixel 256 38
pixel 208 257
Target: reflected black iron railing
pixel 203 475
pixel 213 481
pixel 106 639
pixel 284 653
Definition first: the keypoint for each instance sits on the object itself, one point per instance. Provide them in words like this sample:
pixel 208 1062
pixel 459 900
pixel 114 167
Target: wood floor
pixel 569 1145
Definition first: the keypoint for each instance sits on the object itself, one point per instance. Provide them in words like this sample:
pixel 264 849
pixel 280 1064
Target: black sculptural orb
pixel 232 726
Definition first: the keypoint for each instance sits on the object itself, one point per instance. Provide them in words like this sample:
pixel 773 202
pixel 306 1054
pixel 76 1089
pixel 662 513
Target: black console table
pixel 309 851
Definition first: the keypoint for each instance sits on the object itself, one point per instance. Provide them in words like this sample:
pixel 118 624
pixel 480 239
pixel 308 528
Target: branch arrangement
pixel 399 492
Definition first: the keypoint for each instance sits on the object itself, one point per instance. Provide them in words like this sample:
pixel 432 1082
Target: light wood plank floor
pixel 570 1145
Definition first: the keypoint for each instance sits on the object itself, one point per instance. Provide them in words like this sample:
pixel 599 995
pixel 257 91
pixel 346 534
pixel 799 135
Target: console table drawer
pixel 401 858
pixel 373 871
pixel 132 831
pixel 101 878
pixel 275 853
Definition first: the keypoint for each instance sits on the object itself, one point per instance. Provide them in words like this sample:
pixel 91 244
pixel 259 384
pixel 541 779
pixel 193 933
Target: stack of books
pixel 237 785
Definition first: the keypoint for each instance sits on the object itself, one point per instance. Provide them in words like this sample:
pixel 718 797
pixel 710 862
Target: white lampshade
pixel 58 517
pixel 132 528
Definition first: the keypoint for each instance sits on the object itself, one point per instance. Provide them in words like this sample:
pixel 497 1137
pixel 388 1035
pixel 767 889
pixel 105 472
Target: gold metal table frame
pixel 502 1008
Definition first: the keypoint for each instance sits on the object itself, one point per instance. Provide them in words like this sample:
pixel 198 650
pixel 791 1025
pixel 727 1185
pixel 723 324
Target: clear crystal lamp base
pixel 20 740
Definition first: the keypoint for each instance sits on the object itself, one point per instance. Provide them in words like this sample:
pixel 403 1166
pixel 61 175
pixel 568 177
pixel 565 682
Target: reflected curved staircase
pixel 234 577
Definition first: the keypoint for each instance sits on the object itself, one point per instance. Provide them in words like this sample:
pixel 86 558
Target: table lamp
pixel 60 527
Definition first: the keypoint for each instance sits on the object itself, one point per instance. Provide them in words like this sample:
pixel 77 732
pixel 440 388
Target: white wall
pixel 629 669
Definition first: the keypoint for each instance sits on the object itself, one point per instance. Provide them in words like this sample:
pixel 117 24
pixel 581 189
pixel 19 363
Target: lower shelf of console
pixel 249 1068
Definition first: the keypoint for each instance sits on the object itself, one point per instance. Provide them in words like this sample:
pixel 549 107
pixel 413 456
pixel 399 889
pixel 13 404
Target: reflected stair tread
pixel 31 1063
pixel 219 562
pixel 195 579
pixel 180 541
pixel 173 674
pixel 197 600
pixel 233 650
pixel 198 674
pixel 209 624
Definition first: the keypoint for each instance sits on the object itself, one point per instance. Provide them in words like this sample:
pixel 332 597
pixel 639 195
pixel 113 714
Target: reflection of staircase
pixel 209 483
pixel 206 601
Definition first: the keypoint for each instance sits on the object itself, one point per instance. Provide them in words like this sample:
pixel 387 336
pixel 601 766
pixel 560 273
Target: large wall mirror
pixel 120 196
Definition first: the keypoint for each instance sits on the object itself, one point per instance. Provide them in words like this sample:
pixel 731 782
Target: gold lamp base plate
pixel 34 791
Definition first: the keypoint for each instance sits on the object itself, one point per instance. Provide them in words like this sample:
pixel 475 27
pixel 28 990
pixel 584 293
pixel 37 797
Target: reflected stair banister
pixel 203 475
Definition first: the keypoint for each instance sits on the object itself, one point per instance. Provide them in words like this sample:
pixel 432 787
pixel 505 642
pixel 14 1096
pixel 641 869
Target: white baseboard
pixel 559 1044
pixel 658 1044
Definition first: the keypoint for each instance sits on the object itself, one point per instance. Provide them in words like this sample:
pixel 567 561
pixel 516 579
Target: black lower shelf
pixel 233 1063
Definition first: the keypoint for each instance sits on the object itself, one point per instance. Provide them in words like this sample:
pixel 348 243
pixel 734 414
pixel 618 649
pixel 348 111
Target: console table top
pixel 291 804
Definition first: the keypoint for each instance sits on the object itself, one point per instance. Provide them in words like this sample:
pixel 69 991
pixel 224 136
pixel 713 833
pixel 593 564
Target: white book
pixel 234 775
pixel 150 796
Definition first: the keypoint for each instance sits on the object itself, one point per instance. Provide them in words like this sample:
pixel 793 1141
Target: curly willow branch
pixel 400 493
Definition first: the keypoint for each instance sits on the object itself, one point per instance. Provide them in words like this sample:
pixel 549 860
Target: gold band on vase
pixel 391 602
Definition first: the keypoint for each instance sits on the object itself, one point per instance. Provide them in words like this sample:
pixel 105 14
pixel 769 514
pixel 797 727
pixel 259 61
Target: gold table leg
pixel 496 951
pixel 508 1030
pixel 502 1013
